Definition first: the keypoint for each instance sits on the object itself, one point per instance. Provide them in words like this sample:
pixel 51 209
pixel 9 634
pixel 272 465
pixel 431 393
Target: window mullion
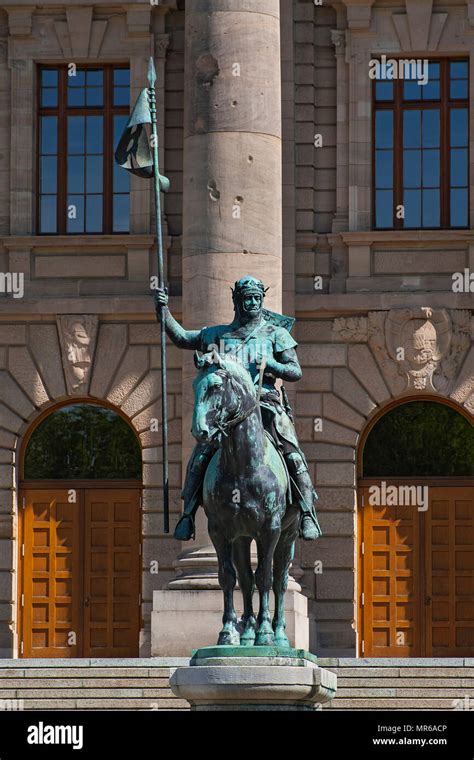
pixel 398 150
pixel 108 167
pixel 62 151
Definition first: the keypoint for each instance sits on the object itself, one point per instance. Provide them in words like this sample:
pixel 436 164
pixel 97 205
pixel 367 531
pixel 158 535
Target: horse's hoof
pixel 282 641
pixel 247 640
pixel 228 639
pixel 264 640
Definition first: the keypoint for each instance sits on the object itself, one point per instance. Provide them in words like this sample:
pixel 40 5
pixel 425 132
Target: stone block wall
pixel 348 378
pixel 315 167
pixel 326 232
pixel 126 376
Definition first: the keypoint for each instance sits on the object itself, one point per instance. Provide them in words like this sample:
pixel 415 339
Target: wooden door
pixel 111 573
pixel 50 586
pixel 416 575
pixel 80 572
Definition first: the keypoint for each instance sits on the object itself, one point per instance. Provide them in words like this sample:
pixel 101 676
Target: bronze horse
pixel 245 498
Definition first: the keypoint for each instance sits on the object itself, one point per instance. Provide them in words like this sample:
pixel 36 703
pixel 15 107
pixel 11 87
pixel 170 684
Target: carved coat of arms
pixel 418 349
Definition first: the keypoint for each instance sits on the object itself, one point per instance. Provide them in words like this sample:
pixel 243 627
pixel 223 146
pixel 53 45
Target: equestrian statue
pixel 247 469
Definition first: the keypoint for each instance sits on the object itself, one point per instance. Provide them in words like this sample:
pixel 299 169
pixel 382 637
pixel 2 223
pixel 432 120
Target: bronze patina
pixel 247 468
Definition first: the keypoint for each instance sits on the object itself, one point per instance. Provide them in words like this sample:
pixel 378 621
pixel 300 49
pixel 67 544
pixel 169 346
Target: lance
pixel 157 184
pixel 135 154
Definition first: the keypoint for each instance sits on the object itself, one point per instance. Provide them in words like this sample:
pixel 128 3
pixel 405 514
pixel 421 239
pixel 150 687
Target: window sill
pixel 408 252
pixel 424 236
pixel 65 242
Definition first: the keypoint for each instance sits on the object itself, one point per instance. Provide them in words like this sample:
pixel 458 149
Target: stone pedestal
pixel 181 617
pixel 253 678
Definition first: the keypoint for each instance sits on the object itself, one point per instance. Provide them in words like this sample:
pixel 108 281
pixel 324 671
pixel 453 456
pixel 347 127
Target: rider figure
pixel 265 348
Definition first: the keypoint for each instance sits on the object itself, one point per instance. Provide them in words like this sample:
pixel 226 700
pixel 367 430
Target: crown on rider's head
pixel 248 284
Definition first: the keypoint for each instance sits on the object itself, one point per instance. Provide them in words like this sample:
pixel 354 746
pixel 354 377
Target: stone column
pixel 231 187
pixel 232 226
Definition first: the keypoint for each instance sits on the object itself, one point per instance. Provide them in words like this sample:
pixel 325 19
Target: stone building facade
pixel 359 293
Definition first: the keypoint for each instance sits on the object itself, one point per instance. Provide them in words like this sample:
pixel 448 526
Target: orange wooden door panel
pixel 450 573
pixel 51 574
pixel 111 573
pixel 416 576
pixel 391 574
pixel 80 573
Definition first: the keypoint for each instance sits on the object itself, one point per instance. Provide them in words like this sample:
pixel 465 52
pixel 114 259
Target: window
pixel 420 438
pixel 421 157
pixel 81 117
pixel 83 441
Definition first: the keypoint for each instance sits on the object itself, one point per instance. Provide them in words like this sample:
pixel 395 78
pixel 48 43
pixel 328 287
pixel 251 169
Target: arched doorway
pixel 79 535
pixel 416 533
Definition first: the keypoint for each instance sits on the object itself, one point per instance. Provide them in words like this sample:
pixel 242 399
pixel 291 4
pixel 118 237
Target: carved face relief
pixel 79 335
pixel 421 341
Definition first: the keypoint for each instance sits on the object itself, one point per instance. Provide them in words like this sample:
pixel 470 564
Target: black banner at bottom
pixel 124 734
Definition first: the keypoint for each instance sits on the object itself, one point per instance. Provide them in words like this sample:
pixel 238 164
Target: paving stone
pixel 391 704
pixel 441 691
pixel 354 693
pixel 437 683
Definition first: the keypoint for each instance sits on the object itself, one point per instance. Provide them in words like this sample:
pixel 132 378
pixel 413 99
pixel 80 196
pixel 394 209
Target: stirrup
pixel 184 530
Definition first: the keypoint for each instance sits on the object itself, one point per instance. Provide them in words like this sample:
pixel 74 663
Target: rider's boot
pixel 192 491
pixel 305 496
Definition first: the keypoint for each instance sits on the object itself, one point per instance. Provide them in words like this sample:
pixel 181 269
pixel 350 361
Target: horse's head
pixel 224 396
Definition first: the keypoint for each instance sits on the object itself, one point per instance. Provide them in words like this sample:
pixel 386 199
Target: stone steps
pixel 143 684
pixel 396 684
pixel 137 684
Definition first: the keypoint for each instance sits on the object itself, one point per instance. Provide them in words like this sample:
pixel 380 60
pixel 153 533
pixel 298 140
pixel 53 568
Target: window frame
pixel 62 111
pixel 398 106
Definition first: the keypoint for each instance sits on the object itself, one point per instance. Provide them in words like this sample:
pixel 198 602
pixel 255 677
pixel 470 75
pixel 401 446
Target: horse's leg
pixel 282 560
pixel 265 548
pixel 227 578
pixel 247 585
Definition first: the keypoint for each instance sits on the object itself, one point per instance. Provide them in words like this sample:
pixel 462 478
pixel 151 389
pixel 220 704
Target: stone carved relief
pixel 417 341
pixel 162 42
pixel 351 329
pixel 77 337
pixel 338 39
pixel 419 349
